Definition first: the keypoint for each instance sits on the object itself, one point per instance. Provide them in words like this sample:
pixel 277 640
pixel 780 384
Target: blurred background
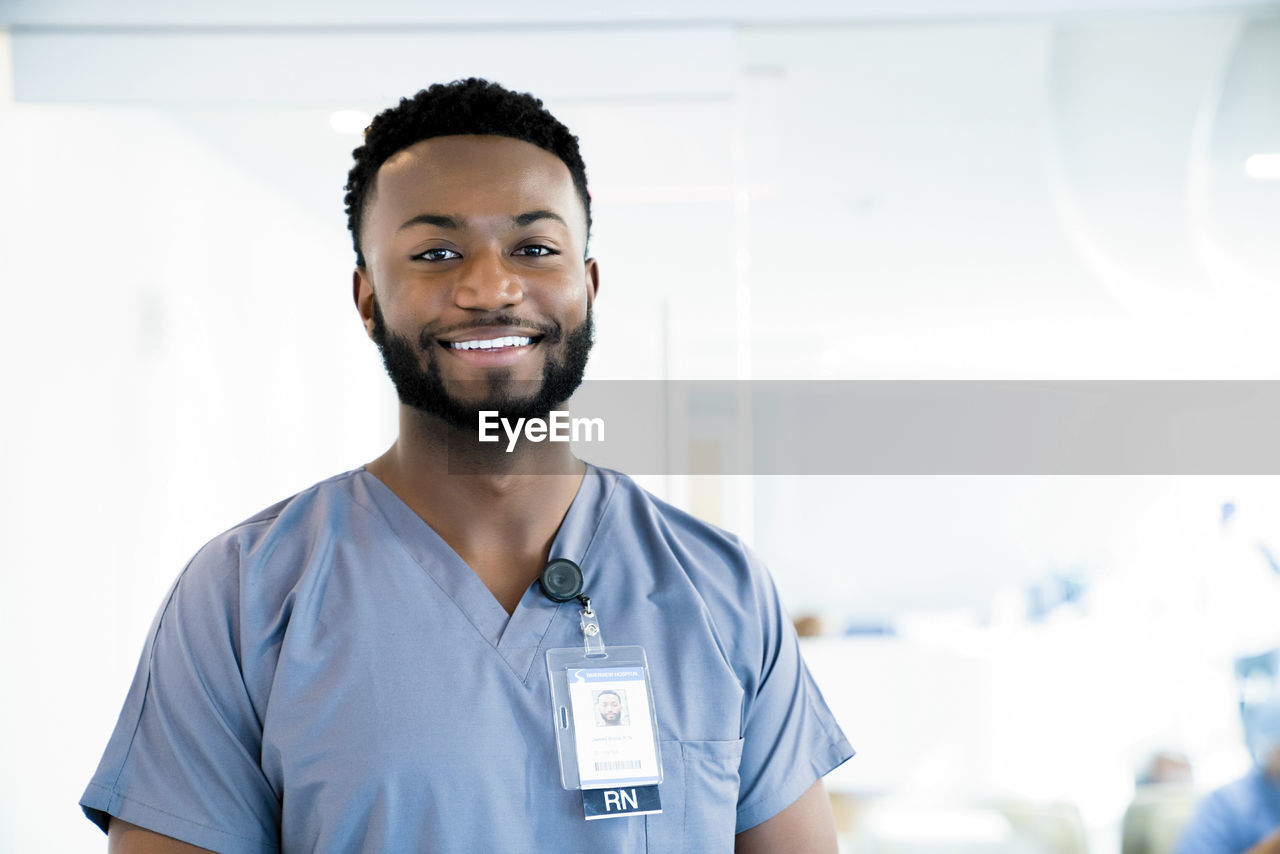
pixel 969 189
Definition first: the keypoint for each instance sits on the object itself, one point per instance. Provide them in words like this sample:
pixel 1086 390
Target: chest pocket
pixel 699 798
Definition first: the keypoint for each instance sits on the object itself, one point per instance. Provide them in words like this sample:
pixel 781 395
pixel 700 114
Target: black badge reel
pixel 561 580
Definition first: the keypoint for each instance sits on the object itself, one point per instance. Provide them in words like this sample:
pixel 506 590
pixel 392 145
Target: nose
pixel 487 283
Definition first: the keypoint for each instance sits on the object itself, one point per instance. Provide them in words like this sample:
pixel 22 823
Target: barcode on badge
pixel 618 765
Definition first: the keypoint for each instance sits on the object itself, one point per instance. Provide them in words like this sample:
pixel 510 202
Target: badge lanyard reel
pixel 605 723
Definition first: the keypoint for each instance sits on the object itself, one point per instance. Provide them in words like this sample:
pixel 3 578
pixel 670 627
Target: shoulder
pixel 339 491
pixel 701 548
pixel 231 606
pixel 268 551
pixel 684 552
pixel 322 506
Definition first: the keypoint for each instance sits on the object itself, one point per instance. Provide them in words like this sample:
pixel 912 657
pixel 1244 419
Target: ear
pixel 362 293
pixel 592 269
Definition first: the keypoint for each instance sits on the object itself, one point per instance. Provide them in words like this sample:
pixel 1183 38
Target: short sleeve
pixel 790 738
pixel 184 757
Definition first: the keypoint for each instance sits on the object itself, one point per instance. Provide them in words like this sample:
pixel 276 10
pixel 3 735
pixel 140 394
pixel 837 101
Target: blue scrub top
pixel 1234 818
pixel 330 676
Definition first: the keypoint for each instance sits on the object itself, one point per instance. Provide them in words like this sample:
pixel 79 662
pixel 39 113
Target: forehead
pixel 474 176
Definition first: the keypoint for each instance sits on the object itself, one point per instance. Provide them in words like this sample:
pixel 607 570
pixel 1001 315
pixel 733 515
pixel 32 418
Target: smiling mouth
pixel 506 342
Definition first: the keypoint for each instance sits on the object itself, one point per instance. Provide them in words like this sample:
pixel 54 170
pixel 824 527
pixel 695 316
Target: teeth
pixel 491 344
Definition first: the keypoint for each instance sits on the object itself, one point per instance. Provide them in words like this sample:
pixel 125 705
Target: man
pixel 609 707
pixel 1244 817
pixel 363 667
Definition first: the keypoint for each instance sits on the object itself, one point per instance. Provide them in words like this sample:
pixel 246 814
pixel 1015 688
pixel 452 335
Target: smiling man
pixel 368 665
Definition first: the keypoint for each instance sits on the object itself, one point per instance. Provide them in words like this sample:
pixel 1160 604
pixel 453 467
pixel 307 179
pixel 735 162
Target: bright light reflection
pixel 349 121
pixel 1263 167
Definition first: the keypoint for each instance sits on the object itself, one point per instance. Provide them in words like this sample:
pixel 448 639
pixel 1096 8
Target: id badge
pixel 605 723
pixel 606 729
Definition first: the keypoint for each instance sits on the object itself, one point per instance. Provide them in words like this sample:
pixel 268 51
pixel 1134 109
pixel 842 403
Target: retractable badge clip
pixel 591 636
pixel 561 581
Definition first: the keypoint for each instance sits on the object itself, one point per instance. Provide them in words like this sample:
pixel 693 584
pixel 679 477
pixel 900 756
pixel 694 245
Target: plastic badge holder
pixel 603 742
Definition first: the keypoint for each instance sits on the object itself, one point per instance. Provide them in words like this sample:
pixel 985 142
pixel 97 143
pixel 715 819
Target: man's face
pixel 475 288
pixel 609 707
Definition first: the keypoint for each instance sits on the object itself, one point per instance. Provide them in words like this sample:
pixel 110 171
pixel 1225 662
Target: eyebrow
pixel 533 216
pixel 438 220
pixel 458 224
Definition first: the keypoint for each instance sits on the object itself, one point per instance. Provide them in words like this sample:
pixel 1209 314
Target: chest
pixel 390 710
pixel 505 574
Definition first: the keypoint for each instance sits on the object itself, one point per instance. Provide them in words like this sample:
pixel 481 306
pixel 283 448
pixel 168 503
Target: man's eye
pixel 438 254
pixel 535 250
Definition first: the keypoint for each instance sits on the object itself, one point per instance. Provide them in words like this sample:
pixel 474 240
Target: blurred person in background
pixel 1165 768
pixel 1244 817
pixel 1163 801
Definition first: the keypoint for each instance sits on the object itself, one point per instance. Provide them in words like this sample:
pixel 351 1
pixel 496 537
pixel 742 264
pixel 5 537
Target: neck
pixel 499 511
pixel 429 448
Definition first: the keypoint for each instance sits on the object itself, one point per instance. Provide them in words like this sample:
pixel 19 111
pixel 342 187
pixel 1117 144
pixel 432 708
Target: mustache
pixel 552 332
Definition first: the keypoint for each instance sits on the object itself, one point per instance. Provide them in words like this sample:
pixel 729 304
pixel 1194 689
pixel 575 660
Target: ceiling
pixel 378 13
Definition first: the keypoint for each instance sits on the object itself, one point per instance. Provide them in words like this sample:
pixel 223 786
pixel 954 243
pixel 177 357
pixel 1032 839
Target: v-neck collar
pixel 516 637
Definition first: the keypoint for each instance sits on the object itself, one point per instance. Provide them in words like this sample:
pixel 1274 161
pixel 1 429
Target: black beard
pixel 425 391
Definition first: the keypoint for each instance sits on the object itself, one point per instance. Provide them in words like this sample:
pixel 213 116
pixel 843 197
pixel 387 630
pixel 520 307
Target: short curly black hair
pixel 471 106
